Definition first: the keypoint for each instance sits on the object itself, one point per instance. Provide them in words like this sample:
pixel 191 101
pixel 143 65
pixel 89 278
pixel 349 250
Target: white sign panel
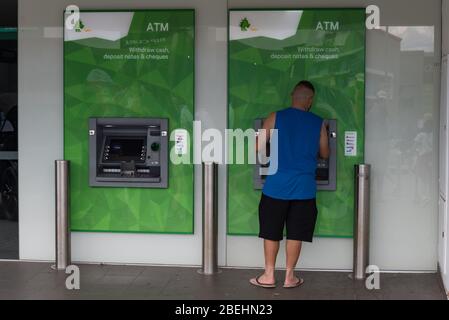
pixel 350 143
pixel 271 24
pixel 181 137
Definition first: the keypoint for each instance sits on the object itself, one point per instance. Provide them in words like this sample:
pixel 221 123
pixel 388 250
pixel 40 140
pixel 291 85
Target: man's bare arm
pixel 268 125
pixel 324 142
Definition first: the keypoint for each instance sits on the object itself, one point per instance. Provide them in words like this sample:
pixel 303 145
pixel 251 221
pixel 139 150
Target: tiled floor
pixel 23 280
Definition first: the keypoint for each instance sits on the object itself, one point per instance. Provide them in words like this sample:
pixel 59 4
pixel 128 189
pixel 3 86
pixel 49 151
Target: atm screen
pixel 121 149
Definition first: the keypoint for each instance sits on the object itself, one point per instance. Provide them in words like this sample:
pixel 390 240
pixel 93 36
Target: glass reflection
pixel 401 106
pixel 8 144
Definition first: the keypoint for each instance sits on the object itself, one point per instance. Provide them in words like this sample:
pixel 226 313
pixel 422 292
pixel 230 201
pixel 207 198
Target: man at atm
pixel 289 195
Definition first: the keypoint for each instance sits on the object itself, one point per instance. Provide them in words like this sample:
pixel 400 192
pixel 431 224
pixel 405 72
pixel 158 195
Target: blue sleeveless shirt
pixel 298 147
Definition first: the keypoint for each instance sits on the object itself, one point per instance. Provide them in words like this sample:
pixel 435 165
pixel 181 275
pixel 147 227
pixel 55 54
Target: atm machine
pixel 128 152
pixel 326 171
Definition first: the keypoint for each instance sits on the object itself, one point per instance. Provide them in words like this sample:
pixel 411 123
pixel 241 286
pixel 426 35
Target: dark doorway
pixel 9 215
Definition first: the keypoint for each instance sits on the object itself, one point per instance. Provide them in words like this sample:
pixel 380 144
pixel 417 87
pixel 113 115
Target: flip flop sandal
pixel 255 282
pixel 295 285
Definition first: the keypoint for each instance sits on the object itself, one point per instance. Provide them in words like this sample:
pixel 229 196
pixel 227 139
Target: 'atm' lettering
pixel 328 26
pixel 157 27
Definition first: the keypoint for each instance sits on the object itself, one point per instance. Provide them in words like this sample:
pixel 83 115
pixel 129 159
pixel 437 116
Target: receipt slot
pixel 128 152
pixel 326 171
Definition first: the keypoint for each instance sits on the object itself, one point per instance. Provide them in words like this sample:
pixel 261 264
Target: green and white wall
pixel 404 233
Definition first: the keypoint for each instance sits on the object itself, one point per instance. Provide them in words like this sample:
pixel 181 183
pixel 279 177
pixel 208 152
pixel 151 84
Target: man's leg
pixel 272 213
pixel 271 249
pixel 301 220
pixel 293 250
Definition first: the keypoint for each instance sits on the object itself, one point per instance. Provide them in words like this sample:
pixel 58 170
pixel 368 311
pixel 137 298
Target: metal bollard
pixel 361 220
pixel 63 259
pixel 210 215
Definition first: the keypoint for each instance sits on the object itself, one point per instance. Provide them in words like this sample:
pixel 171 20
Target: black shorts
pixel 299 217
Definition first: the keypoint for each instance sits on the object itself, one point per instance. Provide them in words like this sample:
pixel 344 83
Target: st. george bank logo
pixel 245 25
pixel 80 27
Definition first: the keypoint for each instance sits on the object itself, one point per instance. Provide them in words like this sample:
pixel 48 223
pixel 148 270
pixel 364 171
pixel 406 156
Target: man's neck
pixel 302 108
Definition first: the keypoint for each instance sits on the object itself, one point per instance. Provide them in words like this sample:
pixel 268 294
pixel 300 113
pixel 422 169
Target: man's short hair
pixel 305 84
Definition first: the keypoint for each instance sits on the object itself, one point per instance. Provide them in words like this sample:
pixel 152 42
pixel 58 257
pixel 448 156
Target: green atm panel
pixel 270 51
pixel 129 71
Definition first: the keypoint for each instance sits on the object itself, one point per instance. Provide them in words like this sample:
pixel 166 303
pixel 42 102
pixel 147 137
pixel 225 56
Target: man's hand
pixel 268 125
pixel 324 141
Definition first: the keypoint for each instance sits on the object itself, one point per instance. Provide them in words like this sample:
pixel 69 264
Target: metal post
pixel 210 215
pixel 361 220
pixel 63 259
